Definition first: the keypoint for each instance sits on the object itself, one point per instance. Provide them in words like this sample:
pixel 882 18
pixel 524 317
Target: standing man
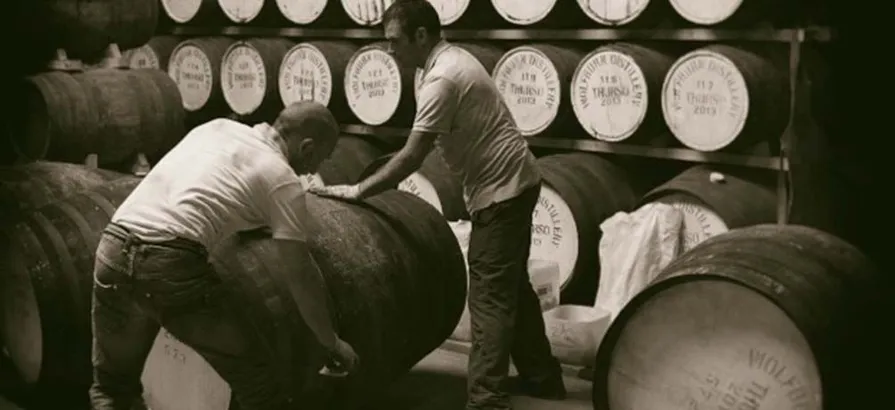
pixel 152 263
pixel 459 106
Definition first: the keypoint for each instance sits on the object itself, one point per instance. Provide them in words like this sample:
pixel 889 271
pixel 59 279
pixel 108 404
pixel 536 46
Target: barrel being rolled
pixel 719 95
pixel 249 74
pixel 195 66
pixel 580 191
pixel 46 288
pixel 616 92
pixel 112 113
pixel 533 81
pixel 765 317
pixel 395 275
pixel 378 90
pixel 713 201
pixel 314 71
pixel 154 54
pixel 434 183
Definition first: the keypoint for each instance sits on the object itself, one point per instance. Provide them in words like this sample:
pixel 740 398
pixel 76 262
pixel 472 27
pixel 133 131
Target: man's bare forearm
pixel 301 275
pixel 400 166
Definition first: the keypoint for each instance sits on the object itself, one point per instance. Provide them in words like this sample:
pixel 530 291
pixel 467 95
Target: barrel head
pixel 178 378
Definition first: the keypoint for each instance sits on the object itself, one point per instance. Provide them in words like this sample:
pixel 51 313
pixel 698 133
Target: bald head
pixel 310 132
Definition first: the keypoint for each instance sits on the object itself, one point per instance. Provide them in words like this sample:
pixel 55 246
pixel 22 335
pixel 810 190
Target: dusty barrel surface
pixel 487 54
pixel 249 76
pixel 195 66
pixel 85 28
pixel 616 92
pixel 193 11
pixel 579 192
pixel 714 202
pixel 534 82
pixel 112 113
pixel 397 280
pixel 378 90
pixel 46 287
pixel 154 54
pixel 434 183
pixel 30 186
pixel 315 71
pixel 759 317
pixel 719 95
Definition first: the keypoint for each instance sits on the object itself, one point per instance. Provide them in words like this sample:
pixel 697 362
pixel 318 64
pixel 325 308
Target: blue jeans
pixel 140 286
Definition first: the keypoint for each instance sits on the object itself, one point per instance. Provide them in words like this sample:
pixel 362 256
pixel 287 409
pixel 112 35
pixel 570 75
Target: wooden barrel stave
pixel 818 280
pixel 393 307
pixel 390 100
pixel 138 112
pixel 740 199
pixel 536 92
pixel 249 77
pixel 593 189
pixel 195 66
pixel 47 289
pixel 31 186
pixel 752 89
pixel 315 70
pixel 54 117
pixel 154 54
pixel 85 29
pixel 632 114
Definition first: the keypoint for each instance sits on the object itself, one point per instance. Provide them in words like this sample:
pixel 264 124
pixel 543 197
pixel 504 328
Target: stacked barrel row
pixel 470 13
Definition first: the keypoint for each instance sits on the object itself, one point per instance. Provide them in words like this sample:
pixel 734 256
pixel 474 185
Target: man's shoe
pixel 547 389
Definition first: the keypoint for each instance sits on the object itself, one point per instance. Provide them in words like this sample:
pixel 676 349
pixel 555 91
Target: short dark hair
pixel 413 14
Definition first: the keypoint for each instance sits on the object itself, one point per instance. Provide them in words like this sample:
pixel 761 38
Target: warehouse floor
pixel 438 382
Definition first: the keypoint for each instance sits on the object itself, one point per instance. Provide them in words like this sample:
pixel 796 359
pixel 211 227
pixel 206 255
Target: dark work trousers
pixel 504 310
pixel 140 286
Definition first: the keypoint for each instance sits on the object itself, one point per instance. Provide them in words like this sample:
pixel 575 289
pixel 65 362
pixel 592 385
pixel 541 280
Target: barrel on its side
pixel 714 201
pixel 720 97
pixel 253 12
pixel 434 183
pixel 154 54
pixel 617 93
pixel 580 191
pixel 765 316
pixel 249 73
pixel 534 82
pixel 627 13
pixel 112 113
pixel 315 71
pixel 365 13
pixel 195 66
pixel 85 28
pixel 194 12
pixel 541 13
pixel 751 13
pixel 318 13
pixel 378 90
pixel 46 288
pixel 31 186
pixel 395 275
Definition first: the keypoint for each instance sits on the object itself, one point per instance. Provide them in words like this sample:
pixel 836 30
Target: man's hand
pixel 343 360
pixel 349 192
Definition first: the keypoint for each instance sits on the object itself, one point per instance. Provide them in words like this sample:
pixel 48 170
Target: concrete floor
pixel 438 382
